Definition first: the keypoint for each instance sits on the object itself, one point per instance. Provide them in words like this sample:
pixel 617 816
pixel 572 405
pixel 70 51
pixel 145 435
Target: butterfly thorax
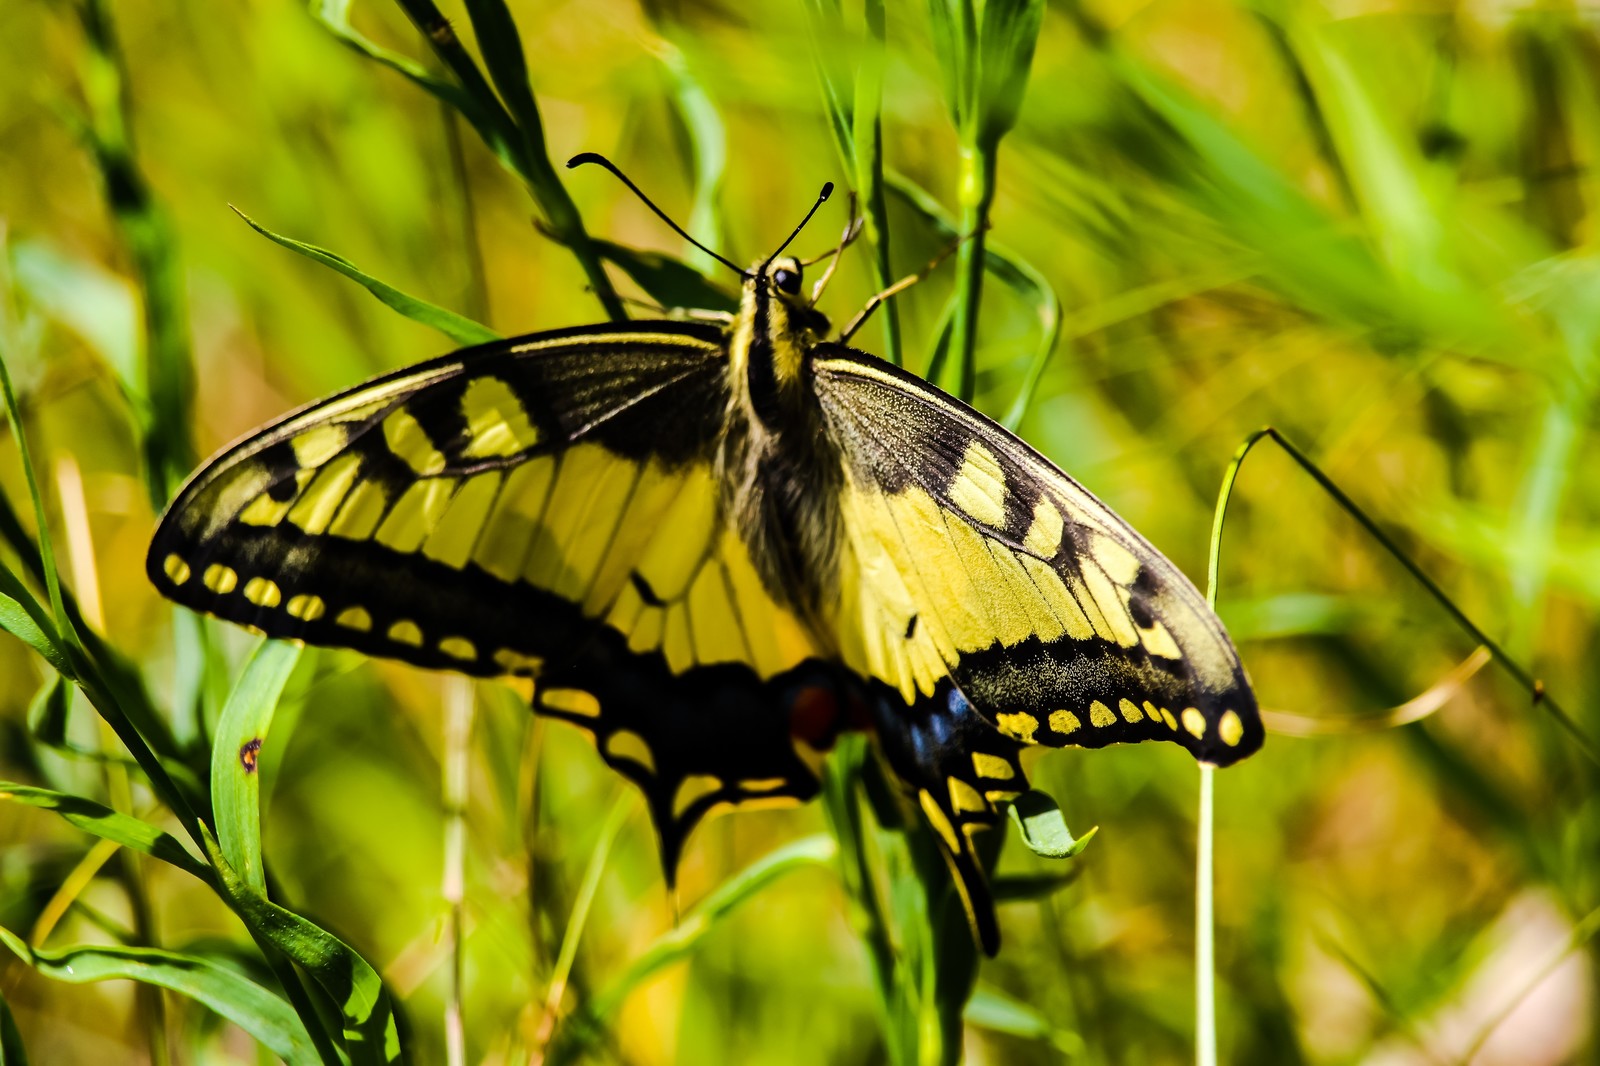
pixel 782 469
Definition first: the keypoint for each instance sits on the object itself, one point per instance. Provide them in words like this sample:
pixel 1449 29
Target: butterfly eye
pixel 787 280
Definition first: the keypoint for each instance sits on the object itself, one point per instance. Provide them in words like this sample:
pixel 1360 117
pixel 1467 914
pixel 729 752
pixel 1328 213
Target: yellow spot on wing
pixel 693 788
pixel 940 823
pixel 176 569
pixel 671 562
pixel 457 530
pixel 307 608
pixel 999 796
pixel 497 423
pixel 991 766
pixel 406 631
pixel 265 511
pixel 220 579
pixel 1044 535
pixel 1130 711
pixel 1166 716
pixel 514 662
pixel 413 516
pixel 1018 726
pixel 963 797
pixel 1230 728
pixel 504 545
pixel 1120 564
pixel 1100 714
pixel 355 618
pixel 262 593
pixel 320 502
pixel 626 744
pixel 571 700
pixel 411 444
pixel 459 648
pixel 1194 722
pixel 1157 641
pixel 317 445
pixel 1064 722
pixel 362 511
pixel 979 487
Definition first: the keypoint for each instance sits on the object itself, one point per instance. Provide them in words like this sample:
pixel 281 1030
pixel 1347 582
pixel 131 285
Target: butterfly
pixel 717 543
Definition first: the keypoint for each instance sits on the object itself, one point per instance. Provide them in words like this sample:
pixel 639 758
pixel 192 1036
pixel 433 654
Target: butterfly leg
pixel 898 287
pixel 962 771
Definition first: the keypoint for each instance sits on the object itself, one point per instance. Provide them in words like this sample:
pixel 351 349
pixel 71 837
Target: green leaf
pixel 251 1007
pixel 12 1052
pixel 236 751
pixel 349 980
pixel 1044 829
pixel 1005 53
pixel 671 283
pixel 60 630
pixel 335 18
pixel 682 940
pixel 108 824
pixel 989 1008
pixel 25 618
pixel 47 714
pixel 458 328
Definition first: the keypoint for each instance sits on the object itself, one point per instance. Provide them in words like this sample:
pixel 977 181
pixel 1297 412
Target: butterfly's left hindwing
pixel 544 507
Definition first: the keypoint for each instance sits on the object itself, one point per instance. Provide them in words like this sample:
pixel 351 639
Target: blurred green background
pixel 1370 223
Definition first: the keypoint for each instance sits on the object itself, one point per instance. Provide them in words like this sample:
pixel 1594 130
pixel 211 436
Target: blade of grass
pixel 683 939
pixel 230 994
pixel 1013 272
pixel 103 822
pixel 12 1053
pixel 458 328
pixel 517 134
pixel 168 381
pixel 236 753
pixel 348 979
pixel 1532 685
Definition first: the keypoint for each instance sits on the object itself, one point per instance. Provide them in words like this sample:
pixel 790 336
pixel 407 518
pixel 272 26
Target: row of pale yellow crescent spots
pixel 1022 726
pixel 264 592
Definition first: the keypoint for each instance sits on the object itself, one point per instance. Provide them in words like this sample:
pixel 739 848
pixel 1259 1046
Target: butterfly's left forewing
pixel 545 507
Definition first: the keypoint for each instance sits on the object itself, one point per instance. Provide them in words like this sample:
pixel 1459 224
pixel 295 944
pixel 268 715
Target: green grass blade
pixel 334 15
pixel 61 628
pixel 990 1008
pixel 236 752
pixel 108 824
pixel 235 997
pixel 12 1053
pixel 1010 270
pixel 1043 828
pixel 458 328
pixel 708 142
pixel 682 940
pixel 349 980
pixel 670 282
pixel 25 618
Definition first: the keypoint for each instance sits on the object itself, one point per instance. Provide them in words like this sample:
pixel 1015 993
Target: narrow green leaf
pixel 12 1053
pixel 108 824
pixel 348 979
pixel 671 283
pixel 458 328
pixel 990 1008
pixel 22 616
pixel 251 1007
pixel 1044 829
pixel 334 15
pixel 47 714
pixel 682 940
pixel 61 629
pixel 1006 41
pixel 235 755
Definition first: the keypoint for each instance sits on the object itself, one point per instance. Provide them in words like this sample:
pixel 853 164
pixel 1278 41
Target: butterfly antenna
pixel 595 157
pixel 822 198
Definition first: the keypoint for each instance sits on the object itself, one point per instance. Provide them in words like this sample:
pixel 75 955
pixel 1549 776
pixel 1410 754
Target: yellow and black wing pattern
pixel 545 507
pixel 977 578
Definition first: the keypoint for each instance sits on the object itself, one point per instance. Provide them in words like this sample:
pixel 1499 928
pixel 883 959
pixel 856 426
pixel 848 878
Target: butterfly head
pixel 788 311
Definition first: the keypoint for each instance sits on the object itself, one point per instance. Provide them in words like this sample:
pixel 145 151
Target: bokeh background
pixel 1370 223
